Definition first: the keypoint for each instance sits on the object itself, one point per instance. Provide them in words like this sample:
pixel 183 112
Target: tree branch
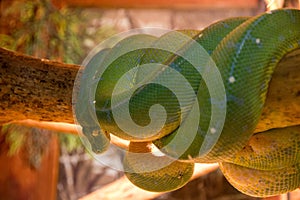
pixel 40 89
pixel 33 88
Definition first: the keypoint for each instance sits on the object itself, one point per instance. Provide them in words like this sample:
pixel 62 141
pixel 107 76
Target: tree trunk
pixel 20 180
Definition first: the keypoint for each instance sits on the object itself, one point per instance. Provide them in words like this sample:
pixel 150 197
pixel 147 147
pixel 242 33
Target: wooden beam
pixel 180 4
pixel 66 128
pixel 125 190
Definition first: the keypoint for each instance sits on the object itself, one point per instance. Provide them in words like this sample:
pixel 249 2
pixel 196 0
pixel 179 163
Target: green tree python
pixel 197 96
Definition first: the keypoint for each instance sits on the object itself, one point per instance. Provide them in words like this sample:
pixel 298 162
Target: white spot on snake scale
pixel 213 130
pixel 200 35
pixel 95 133
pixel 94 102
pixel 257 40
pixel 231 79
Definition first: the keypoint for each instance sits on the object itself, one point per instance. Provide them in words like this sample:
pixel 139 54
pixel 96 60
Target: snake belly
pixel 246 52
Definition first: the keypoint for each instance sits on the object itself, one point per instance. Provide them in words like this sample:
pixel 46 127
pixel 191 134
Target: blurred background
pixel 42 164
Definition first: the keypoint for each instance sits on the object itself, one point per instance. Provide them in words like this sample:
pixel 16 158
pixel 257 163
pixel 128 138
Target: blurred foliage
pixel 14 139
pixel 43 31
pixel 38 28
pixel 32 140
pixel 70 141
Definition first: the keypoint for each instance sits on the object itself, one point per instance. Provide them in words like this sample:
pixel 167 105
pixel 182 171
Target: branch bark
pixel 33 88
pixel 41 90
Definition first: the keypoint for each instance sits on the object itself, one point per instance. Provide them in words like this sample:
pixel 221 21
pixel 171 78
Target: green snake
pixel 245 51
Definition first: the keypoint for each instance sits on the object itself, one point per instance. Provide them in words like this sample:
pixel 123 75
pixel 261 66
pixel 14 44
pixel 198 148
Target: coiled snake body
pixel 245 52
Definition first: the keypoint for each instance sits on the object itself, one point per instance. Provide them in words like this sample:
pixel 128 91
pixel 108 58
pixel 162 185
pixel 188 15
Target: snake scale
pixel 245 51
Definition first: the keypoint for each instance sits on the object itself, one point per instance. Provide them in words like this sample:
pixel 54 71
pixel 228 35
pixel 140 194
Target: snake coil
pixel 191 96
